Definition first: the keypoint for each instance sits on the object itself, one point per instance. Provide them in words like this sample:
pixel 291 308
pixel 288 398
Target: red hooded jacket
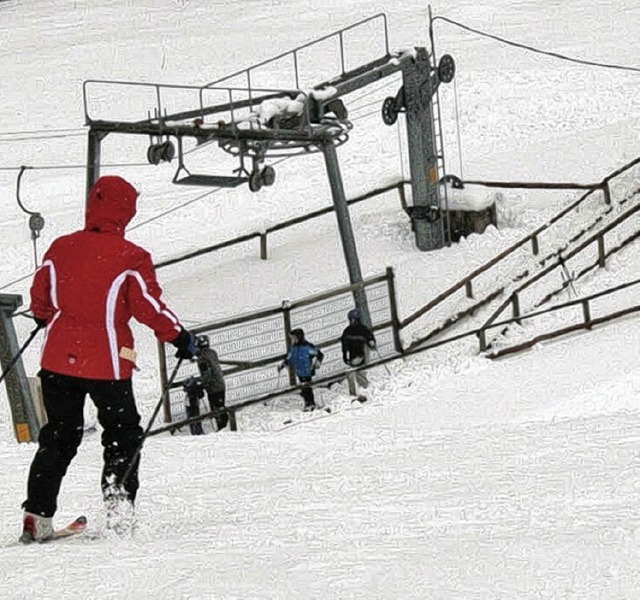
pixel 91 283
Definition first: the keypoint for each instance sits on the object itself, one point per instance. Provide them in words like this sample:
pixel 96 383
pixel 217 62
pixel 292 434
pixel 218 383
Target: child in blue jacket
pixel 305 359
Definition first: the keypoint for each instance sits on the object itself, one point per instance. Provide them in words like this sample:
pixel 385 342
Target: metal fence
pixel 251 346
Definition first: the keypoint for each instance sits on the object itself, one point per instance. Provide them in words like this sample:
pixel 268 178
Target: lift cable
pixel 537 50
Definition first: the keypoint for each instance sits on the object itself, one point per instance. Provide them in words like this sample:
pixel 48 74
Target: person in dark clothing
pixel 89 286
pixel 305 358
pixel 356 340
pixel 210 381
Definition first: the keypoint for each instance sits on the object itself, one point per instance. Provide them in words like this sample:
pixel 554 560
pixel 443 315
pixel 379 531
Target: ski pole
pixel 385 366
pixel 145 435
pixel 273 400
pixel 14 360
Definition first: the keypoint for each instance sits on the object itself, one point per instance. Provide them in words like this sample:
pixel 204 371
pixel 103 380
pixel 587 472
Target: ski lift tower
pixel 257 124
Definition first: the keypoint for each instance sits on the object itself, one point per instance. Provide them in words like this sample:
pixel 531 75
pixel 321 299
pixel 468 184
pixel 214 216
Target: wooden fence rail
pixel 597 238
pixel 262 235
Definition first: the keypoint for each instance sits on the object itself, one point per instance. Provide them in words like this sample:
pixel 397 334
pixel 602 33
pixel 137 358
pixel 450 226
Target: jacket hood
pixel 111 205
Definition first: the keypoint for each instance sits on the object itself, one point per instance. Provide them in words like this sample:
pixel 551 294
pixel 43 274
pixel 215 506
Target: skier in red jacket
pixel 89 286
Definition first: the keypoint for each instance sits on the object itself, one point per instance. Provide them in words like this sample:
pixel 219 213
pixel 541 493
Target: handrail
pixel 278 226
pixel 159 87
pixel 594 238
pixel 486 266
pixel 576 276
pixel 588 321
pixel 322 381
pixel 532 237
pixel 295 51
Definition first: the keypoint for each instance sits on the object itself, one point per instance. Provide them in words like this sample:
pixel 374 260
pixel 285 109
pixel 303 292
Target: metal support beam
pixel 93 157
pixel 418 90
pixel 346 231
pixel 25 421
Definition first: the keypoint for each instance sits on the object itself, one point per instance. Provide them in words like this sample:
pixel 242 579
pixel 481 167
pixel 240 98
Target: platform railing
pixel 295 53
pixel 237 102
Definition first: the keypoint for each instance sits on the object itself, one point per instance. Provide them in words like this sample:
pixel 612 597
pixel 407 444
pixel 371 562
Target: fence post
pixel 286 318
pixel 586 313
pixel 263 246
pixel 469 288
pixel 483 340
pixel 601 252
pixel 395 321
pixel 607 193
pixel 535 247
pixel 233 422
pixel 515 307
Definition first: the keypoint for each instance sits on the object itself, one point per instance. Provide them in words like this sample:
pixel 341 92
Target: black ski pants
pixel 307 391
pixel 59 439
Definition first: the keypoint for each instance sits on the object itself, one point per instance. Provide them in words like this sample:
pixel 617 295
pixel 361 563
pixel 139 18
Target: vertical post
pixel 166 404
pixel 515 307
pixel 233 422
pixel 346 231
pixel 423 161
pixel 25 420
pixel 535 247
pixel 601 252
pixel 286 318
pixel 263 246
pixel 482 335
pixel 93 158
pixel 587 314
pixel 469 288
pixel 391 287
pixel 607 193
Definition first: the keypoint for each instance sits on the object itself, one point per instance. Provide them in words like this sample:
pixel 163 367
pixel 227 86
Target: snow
pixel 462 477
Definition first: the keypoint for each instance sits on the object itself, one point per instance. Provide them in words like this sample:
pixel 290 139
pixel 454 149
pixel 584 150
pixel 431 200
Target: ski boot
pixel 36 528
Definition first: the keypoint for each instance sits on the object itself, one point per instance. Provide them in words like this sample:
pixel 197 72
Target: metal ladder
pixel 436 119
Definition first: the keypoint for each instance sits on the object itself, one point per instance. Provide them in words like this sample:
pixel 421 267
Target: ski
pixel 306 417
pixel 76 526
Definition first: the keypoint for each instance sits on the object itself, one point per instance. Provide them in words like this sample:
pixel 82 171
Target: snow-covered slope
pixel 463 478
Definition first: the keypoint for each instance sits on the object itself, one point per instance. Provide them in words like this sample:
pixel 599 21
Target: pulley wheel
pixel 268 175
pixel 154 154
pixel 255 181
pixel 168 151
pixel 446 68
pixel 389 111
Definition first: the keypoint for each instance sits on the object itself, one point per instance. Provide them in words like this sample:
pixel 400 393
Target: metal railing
pixel 238 104
pixel 253 344
pixel 586 321
pixel 597 239
pixel 533 238
pixel 340 34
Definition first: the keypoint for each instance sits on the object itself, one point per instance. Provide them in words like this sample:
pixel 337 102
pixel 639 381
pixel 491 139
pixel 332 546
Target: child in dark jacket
pixel 305 358
pixel 357 339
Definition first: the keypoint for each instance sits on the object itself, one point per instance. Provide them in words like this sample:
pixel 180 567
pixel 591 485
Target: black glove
pixel 185 342
pixel 41 323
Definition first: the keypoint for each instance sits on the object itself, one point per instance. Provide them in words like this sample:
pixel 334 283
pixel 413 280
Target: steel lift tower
pixel 258 124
